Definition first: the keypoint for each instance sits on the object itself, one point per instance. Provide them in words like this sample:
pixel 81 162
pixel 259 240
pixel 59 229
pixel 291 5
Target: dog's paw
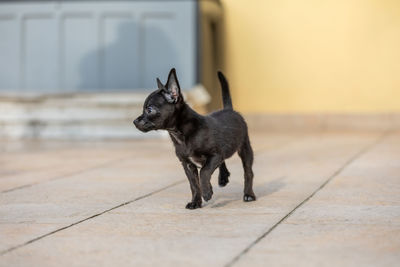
pixel 223 180
pixel 223 177
pixel 248 198
pixel 207 194
pixel 193 205
pixel 206 191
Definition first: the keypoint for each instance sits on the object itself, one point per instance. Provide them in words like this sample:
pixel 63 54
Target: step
pixel 78 130
pixel 71 116
pixel 98 115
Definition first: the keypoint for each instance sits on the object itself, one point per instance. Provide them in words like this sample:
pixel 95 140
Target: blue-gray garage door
pixel 66 46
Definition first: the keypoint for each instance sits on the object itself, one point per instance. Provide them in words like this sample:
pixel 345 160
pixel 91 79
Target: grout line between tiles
pixel 99 166
pixel 91 217
pixel 330 178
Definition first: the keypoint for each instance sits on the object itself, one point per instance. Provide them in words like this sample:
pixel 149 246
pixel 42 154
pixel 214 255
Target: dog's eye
pixel 150 110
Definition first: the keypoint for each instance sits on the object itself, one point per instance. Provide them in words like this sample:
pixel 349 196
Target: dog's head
pixel 160 106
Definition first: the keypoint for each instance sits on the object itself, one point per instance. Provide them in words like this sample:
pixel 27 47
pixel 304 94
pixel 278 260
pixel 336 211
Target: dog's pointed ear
pixel 173 90
pixel 159 84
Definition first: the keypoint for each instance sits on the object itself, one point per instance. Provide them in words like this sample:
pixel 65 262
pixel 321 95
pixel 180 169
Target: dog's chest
pixel 193 155
pixel 198 160
pixel 186 150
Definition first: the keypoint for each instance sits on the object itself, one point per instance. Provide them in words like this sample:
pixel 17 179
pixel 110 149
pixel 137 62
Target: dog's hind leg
pixel 223 175
pixel 246 154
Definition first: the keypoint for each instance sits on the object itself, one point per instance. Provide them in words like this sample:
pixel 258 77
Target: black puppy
pixel 204 141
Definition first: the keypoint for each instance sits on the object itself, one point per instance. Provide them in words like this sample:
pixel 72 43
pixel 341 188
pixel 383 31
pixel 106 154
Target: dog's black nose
pixel 135 122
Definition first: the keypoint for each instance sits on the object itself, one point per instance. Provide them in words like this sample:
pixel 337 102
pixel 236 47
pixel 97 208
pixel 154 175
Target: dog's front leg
pixel 193 177
pixel 205 176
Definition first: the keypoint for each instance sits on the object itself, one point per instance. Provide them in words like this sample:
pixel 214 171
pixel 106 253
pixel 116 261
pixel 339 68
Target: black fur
pixel 202 142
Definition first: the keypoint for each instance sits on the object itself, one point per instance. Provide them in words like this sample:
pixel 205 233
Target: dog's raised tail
pixel 226 95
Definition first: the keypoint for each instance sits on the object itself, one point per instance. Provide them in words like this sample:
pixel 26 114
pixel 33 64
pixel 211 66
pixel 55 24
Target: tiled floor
pixel 324 199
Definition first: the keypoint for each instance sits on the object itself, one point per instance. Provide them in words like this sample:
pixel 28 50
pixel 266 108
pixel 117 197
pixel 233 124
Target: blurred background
pixel 81 69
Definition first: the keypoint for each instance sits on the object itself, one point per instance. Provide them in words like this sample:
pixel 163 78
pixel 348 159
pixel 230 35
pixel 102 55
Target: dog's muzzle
pixel 143 125
pixel 136 122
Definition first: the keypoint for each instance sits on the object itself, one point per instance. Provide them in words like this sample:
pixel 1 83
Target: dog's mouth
pixel 144 126
pixel 145 129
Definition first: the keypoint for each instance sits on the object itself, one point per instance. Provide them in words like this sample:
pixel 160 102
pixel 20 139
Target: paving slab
pixel 47 161
pixel 61 202
pixel 55 202
pixel 353 221
pixel 157 230
pixel 27 163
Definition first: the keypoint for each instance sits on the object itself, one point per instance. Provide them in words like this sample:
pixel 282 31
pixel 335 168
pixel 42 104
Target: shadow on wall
pixel 132 59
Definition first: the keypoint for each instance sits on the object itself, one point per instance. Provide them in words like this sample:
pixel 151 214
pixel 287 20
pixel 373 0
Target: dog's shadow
pixel 262 190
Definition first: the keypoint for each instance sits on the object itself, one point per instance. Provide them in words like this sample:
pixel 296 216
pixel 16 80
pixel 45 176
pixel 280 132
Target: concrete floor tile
pixel 157 230
pixel 353 221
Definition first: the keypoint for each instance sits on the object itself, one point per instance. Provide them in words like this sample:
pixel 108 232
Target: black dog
pixel 203 140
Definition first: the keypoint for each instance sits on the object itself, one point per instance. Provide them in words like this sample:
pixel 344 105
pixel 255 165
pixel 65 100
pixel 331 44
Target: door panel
pixel 120 51
pixel 81 59
pixel 9 53
pixel 39 50
pixel 54 46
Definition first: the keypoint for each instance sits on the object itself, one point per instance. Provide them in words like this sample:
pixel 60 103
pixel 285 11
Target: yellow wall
pixel 313 55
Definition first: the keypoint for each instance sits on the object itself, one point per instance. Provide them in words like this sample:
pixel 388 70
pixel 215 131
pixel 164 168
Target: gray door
pixel 64 46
